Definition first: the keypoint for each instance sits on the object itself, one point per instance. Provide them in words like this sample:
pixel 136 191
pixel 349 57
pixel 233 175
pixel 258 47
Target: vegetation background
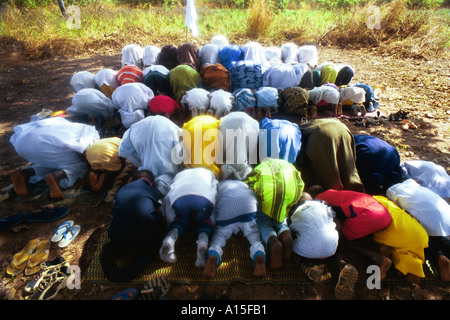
pixel 37 29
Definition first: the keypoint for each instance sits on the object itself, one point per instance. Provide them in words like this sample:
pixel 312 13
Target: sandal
pixel 346 283
pixel 313 272
pixel 38 257
pixel 399 116
pixel 155 289
pixel 62 230
pixel 19 261
pixel 69 236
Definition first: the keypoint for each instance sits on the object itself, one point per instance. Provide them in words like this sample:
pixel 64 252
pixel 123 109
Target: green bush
pixel 424 3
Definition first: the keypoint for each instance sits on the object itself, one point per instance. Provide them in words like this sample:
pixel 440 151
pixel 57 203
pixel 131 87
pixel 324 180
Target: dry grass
pixel 403 32
pixel 260 19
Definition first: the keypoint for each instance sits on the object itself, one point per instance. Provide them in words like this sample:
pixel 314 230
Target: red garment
pixel 163 104
pixel 129 74
pixel 364 214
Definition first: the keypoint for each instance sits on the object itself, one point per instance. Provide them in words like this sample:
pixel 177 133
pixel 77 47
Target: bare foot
pixel 444 268
pixel 55 191
pixel 211 267
pixel 384 267
pixel 20 183
pixel 276 253
pixel 96 181
pixel 260 267
pixel 287 241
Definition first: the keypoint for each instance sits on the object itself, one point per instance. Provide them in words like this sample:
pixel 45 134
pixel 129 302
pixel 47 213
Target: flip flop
pixel 346 283
pixel 69 236
pixel 39 256
pixel 19 261
pixel 61 230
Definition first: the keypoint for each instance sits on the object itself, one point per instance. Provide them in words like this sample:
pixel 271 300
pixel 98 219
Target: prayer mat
pixel 236 265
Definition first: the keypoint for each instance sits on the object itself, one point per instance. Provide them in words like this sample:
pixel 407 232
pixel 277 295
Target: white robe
pixel 430 175
pixel 149 144
pixel 54 144
pixel 432 212
pixel 281 76
pixel 192 181
pixel 240 144
pixel 132 101
pixel 91 102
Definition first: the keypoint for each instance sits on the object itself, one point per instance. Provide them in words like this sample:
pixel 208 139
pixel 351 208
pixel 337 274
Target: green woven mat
pixel 236 266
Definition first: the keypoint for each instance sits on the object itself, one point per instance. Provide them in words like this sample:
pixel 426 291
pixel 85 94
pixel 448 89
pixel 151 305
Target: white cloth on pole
pixel 191 17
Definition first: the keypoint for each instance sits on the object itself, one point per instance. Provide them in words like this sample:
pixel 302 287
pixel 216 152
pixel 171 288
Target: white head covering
pixel 354 94
pixel 108 77
pixel 316 234
pixel 196 98
pixel 220 40
pixel 289 53
pixel 132 54
pixel 82 80
pixel 308 54
pixel 150 55
pixel 209 54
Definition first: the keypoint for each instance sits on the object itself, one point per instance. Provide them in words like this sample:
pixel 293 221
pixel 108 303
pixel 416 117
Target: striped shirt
pixel 277 185
pixel 235 202
pixel 129 74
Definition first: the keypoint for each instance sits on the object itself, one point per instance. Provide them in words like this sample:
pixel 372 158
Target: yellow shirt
pixel 202 143
pixel 406 237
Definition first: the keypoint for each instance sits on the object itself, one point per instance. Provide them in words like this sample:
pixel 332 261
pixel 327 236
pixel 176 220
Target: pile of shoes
pixel 53 277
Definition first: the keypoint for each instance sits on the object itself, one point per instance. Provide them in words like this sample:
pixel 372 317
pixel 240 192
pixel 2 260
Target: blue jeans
pixel 269 227
pixel 193 207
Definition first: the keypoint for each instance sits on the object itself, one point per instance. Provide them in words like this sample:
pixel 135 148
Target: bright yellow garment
pixel 107 90
pixel 406 237
pixel 201 141
pixel 103 154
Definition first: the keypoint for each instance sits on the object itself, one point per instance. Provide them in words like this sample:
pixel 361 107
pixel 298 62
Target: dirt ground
pixel 26 87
